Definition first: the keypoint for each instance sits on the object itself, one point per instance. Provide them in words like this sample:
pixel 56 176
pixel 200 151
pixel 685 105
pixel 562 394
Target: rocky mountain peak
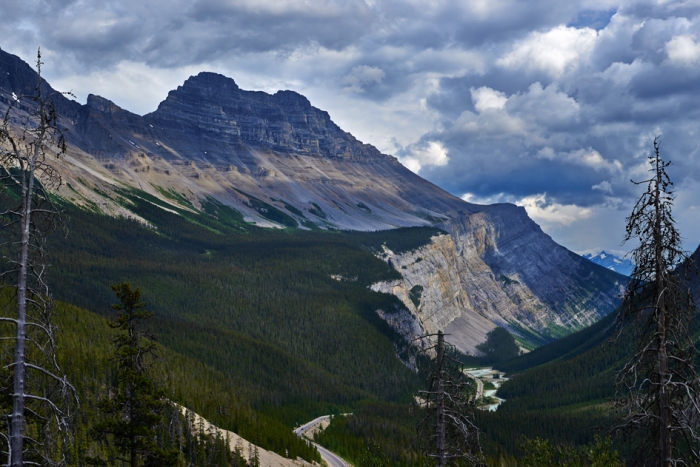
pixel 207 85
pixel 102 104
pixel 211 108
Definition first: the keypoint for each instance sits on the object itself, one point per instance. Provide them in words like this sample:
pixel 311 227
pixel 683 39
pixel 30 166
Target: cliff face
pixel 254 151
pixel 499 269
pixel 225 117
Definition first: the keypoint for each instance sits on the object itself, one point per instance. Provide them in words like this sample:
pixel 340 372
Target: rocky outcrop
pixel 432 290
pixel 499 270
pixel 226 117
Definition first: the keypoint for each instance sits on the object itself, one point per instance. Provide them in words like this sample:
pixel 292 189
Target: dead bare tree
pixel 39 396
pixel 658 389
pixel 447 433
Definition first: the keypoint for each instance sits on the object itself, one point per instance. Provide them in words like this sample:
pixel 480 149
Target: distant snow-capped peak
pixel 622 266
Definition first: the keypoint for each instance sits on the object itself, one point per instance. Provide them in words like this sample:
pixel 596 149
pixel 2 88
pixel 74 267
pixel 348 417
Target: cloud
pixel 362 76
pixel 683 50
pixel 585 157
pixel 502 99
pixel 554 52
pixel 432 153
pixel 486 98
pixel 603 186
pixel 546 212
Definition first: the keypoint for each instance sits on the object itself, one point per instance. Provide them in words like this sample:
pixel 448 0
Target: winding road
pixel 479 388
pixel 331 459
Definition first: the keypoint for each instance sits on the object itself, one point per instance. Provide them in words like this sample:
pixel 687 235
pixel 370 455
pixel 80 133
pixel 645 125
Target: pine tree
pixel 137 406
pixel 658 389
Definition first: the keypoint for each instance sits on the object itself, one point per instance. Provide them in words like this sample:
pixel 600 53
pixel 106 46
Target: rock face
pixel 211 140
pixel 226 118
pixel 499 269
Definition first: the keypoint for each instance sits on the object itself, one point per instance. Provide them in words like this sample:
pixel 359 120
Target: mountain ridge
pixel 281 162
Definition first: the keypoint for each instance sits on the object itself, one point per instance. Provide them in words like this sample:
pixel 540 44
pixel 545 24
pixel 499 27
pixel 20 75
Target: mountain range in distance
pixel 282 163
pixel 620 265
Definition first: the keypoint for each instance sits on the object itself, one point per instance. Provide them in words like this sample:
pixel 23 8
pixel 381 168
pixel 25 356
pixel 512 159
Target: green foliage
pixel 541 453
pixel 397 240
pixel 135 407
pixel 415 294
pixel 376 432
pixel 85 350
pixel 293 210
pixel 499 346
pixel 308 338
pixel 508 281
pixel 270 212
pixel 317 211
pixel 173 195
pixel 565 348
pixel 373 456
pixel 223 213
pixel 254 359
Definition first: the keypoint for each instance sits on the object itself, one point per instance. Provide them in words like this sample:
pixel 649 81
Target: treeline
pixel 85 353
pixel 259 305
pixel 281 319
pixel 383 430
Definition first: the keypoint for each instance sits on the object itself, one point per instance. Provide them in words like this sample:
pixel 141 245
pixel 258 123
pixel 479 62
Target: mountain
pixel 612 262
pixel 571 380
pixel 277 161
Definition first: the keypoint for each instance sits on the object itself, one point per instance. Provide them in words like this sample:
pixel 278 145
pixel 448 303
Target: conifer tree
pixel 658 389
pixel 137 406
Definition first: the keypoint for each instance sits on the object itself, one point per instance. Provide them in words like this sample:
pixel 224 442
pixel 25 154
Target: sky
pixel 552 105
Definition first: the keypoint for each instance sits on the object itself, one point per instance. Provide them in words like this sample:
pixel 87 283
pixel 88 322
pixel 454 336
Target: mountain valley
pixel 291 268
pixel 278 162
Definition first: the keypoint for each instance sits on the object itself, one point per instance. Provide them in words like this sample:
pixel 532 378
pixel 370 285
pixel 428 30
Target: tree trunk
pixel 665 444
pixel 440 403
pixel 17 422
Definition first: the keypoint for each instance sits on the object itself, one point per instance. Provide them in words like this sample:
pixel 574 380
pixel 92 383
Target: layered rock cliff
pixel 497 268
pixel 265 154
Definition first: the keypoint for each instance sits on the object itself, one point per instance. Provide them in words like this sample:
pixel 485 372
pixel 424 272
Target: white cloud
pixel 547 213
pixel 135 87
pixel 553 52
pixel 493 199
pixel 683 50
pixel 622 73
pixel 486 98
pixel 585 157
pixel 603 186
pixel 592 158
pixel 432 154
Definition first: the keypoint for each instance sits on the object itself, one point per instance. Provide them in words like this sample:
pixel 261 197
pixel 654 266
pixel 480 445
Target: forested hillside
pixel 85 353
pixel 258 305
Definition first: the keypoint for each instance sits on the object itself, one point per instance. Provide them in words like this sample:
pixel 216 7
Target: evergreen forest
pixel 261 330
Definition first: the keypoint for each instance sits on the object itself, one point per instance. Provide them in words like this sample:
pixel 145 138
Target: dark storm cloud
pixel 585 128
pixel 551 101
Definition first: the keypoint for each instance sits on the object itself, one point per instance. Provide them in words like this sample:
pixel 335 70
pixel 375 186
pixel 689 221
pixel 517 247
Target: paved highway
pixel 479 388
pixel 331 459
pixel 300 431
